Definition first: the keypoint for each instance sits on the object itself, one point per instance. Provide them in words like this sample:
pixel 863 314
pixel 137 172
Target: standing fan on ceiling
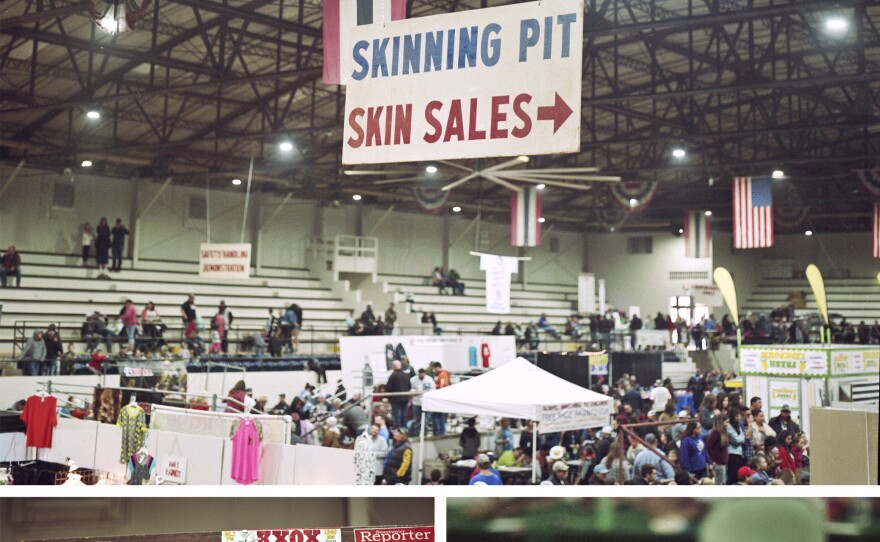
pixel 499 174
pixel 115 16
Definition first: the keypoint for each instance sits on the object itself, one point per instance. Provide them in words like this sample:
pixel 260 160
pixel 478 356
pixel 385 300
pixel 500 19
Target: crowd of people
pixel 721 441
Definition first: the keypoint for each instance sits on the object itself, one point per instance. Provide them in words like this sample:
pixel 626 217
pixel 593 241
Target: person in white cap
pixel 559 476
pixel 599 475
pixel 604 443
pixel 485 476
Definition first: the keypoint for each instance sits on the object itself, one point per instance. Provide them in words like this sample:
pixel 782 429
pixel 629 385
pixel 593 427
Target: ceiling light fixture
pixel 836 24
pixel 633 202
pixel 456 209
pixel 778 174
pixel 808 233
pixel 236 182
pixel 541 186
pixel 431 169
pixel 542 220
pixel 680 230
pixel 523 158
pixel 286 146
pixel 708 213
pixel 678 152
pixel 356 197
pixel 86 163
pixel 93 114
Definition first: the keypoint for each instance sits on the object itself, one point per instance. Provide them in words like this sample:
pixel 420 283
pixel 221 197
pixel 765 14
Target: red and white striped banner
pixel 340 16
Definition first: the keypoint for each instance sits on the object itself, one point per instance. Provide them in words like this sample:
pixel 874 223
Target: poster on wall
pixel 498 270
pixel 225 261
pixel 598 364
pixel 455 353
pixel 784 392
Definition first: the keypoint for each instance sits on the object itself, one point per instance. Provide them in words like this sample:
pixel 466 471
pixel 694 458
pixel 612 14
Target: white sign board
pixel 502 81
pixel 575 416
pixel 173 469
pixel 225 261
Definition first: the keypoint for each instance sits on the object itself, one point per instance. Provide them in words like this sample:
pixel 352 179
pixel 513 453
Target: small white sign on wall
pixel 173 469
pixel 225 261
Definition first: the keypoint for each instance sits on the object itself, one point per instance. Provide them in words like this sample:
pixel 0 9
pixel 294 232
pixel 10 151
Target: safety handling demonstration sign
pixel 500 81
pixel 225 261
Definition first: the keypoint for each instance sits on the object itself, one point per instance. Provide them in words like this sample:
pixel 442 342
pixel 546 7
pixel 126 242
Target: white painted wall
pixel 642 279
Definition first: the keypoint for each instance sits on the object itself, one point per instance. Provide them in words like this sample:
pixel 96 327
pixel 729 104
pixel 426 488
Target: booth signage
pixel 501 81
pixel 784 362
pixel 395 534
pixel 225 261
pixel 785 392
pixel 173 469
pixel 340 534
pixel 554 418
pixel 283 535
pixel 598 364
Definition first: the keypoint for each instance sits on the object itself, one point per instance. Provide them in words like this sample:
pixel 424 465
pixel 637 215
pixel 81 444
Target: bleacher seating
pixel 56 289
pixel 856 299
pixel 467 313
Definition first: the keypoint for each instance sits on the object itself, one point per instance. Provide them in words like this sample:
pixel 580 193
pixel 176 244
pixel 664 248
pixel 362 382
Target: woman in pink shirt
pixel 129 319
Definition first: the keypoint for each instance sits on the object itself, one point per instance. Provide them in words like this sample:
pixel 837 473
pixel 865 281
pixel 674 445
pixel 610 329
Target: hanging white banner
pixel 498 270
pixel 587 293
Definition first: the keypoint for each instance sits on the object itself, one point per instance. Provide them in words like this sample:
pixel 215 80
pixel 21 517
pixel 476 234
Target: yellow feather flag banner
pixel 728 291
pixel 814 276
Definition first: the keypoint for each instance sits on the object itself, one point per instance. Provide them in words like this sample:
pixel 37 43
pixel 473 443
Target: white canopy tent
pixel 519 389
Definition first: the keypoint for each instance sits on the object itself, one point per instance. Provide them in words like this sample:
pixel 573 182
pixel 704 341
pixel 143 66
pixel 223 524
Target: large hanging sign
pixel 498 270
pixel 225 261
pixel 502 81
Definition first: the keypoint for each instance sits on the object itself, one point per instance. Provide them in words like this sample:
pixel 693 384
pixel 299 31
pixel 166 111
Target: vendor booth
pixel 805 376
pixel 521 390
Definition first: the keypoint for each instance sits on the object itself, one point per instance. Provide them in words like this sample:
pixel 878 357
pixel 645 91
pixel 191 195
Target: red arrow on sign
pixel 558 112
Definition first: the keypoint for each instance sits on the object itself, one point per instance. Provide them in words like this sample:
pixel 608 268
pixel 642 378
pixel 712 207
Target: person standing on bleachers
pixel 102 244
pixel 227 323
pixel 129 318
pixel 119 232
pixel 33 354
pixel 88 237
pixel 188 315
pixel 54 350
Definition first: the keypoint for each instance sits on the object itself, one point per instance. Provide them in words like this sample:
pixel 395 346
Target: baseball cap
pixel 401 430
pixel 683 414
pixel 559 465
pixel 483 459
pixel 785 408
pixel 607 429
pixel 600 469
pixel 652 413
pixel 745 472
pixel 658 383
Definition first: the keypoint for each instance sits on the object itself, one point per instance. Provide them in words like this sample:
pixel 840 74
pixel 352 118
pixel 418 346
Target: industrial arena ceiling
pixel 198 87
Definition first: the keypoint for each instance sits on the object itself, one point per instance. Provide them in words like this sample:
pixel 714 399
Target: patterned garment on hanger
pixel 132 420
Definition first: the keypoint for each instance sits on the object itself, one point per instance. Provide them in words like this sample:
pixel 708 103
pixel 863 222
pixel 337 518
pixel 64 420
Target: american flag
pixel 875 239
pixel 342 15
pixel 752 212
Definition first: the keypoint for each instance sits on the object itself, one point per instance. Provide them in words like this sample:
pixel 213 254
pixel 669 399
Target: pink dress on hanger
pixel 246 452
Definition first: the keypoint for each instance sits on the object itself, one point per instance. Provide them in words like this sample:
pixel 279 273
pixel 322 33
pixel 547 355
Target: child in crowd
pixel 760 478
pixel 216 341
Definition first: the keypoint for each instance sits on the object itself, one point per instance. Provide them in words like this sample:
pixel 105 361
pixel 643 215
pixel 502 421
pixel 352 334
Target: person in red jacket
pixel 716 445
pixel 786 457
